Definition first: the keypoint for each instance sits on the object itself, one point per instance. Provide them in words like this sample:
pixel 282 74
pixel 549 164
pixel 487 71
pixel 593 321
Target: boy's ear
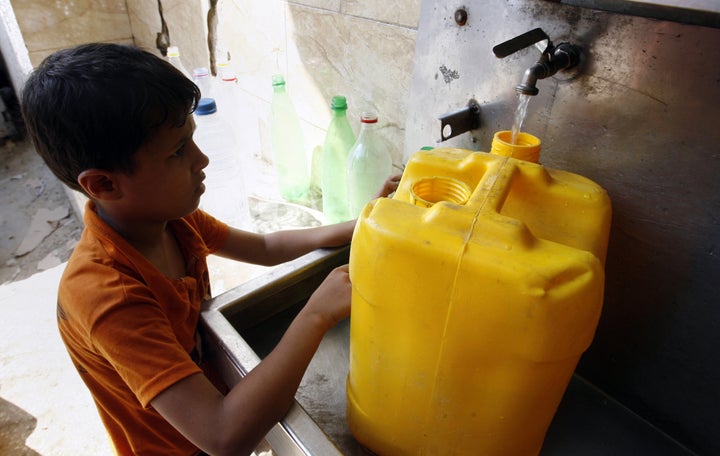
pixel 99 184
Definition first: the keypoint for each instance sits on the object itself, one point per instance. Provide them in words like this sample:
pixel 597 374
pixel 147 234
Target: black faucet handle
pixel 527 39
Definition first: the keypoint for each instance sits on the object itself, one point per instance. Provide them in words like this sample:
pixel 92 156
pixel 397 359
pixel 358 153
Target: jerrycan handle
pixel 535 36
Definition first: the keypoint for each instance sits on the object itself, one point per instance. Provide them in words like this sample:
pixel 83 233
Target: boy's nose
pixel 202 160
pixel 205 160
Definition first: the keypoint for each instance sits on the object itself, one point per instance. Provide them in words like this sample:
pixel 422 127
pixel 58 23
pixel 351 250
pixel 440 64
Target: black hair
pixel 94 105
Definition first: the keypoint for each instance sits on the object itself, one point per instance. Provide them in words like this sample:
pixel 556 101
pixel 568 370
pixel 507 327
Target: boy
pixel 115 123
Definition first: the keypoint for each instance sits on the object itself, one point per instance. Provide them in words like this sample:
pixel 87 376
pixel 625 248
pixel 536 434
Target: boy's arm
pixel 279 247
pixel 275 248
pixel 236 423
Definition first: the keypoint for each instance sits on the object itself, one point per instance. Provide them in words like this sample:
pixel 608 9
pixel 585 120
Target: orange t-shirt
pixel 131 331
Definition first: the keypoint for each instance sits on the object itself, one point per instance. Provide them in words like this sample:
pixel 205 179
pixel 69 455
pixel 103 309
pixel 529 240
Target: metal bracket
pixel 458 122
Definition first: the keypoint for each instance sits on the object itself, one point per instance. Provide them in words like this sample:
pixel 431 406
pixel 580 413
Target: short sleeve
pixel 138 340
pixel 213 231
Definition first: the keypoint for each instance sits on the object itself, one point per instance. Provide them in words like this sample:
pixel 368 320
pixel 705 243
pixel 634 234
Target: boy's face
pixel 167 181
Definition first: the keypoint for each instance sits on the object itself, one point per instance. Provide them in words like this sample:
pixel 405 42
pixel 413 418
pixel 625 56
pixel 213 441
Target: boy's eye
pixel 180 152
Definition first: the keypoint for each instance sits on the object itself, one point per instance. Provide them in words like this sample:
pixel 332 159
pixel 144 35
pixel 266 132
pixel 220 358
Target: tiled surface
pixel 186 25
pixel 48 26
pixel 367 61
pixel 325 52
pixel 360 49
pixel 404 12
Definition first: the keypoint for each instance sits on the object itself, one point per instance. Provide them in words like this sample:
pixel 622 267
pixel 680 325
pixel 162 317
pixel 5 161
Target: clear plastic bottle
pixel 368 166
pixel 202 78
pixel 227 95
pixel 227 85
pixel 288 145
pixel 173 55
pixel 239 109
pixel 336 149
pixel 225 195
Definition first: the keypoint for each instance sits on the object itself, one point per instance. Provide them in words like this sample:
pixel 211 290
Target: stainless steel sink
pixel 244 324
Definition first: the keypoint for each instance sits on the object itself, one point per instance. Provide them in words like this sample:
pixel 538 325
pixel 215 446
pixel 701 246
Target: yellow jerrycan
pixel 475 290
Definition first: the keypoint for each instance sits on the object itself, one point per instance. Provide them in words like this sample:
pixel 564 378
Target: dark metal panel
pixel 640 117
pixel 697 12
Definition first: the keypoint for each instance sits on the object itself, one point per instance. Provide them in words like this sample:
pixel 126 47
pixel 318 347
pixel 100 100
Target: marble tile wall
pixel 368 61
pixel 363 50
pixel 360 49
pixel 186 27
pixel 48 26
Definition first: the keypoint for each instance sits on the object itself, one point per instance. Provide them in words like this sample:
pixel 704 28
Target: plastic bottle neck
pixel 173 52
pixel 367 126
pixel 227 74
pixel 368 121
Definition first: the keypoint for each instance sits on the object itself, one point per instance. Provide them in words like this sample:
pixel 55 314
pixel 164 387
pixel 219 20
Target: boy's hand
pixel 331 300
pixel 389 186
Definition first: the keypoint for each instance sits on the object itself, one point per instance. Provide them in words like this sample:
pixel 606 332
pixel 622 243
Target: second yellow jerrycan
pixel 475 290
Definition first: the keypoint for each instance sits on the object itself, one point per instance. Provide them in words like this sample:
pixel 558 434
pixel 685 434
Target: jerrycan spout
pixel 552 59
pixel 526 146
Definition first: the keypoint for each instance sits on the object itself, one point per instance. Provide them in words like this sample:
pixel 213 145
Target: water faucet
pixel 552 59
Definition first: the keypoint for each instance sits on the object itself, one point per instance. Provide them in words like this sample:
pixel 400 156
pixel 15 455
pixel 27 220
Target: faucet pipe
pixel 552 59
pixel 540 70
pixel 562 57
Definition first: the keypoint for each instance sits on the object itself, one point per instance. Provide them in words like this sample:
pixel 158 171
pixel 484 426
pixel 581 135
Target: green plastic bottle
pixel 336 148
pixel 288 145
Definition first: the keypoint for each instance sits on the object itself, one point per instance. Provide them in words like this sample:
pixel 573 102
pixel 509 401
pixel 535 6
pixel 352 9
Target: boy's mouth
pixel 201 186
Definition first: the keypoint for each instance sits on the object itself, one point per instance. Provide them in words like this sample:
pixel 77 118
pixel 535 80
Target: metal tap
pixel 552 59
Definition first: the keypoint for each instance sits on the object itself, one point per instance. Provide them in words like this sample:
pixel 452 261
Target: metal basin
pixel 243 325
